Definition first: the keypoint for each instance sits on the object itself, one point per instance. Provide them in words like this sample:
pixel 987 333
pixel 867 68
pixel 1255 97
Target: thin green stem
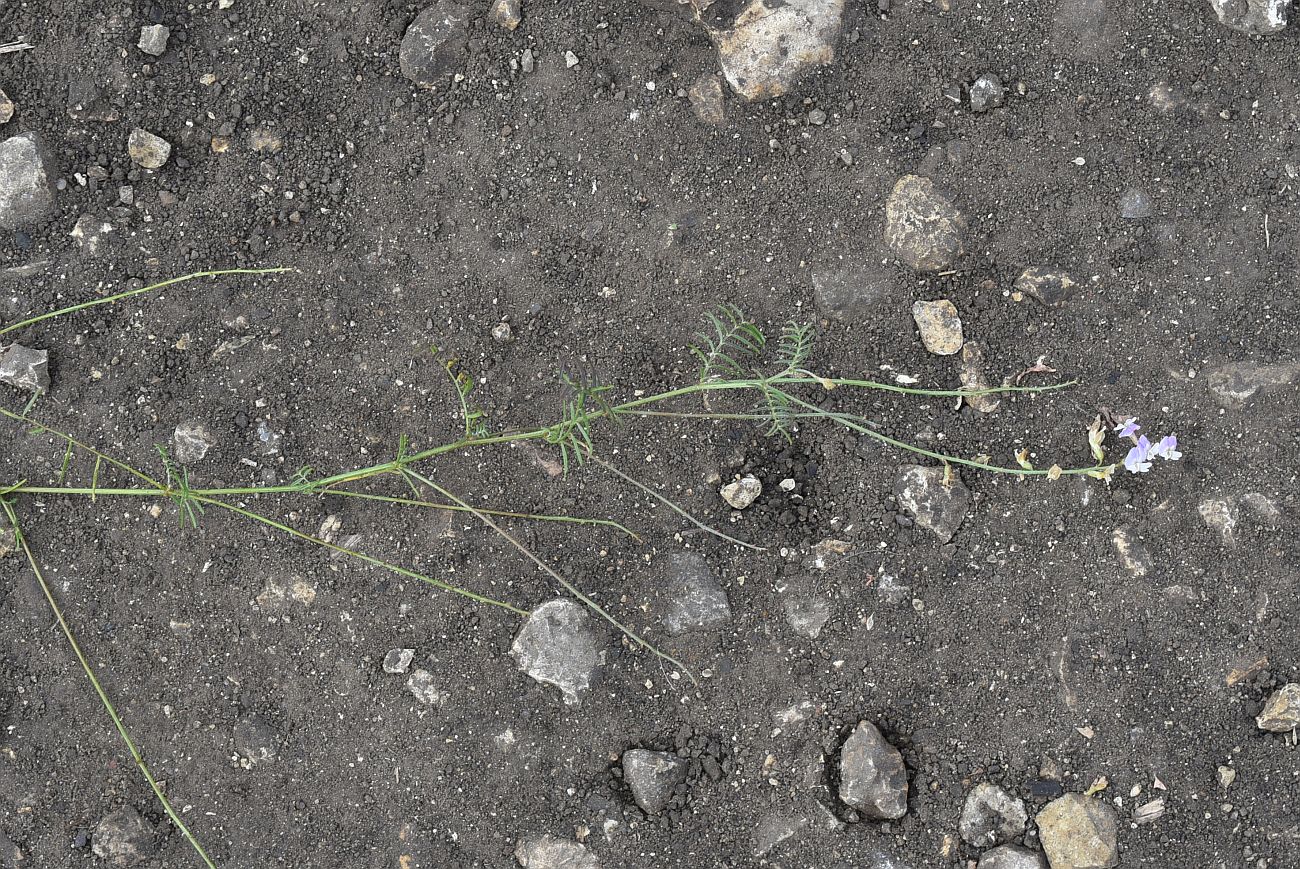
pixel 108 300
pixel 99 689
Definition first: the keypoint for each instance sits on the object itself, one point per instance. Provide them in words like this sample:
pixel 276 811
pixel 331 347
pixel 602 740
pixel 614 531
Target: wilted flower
pixel 1167 448
pixel 1138 460
pixel 1128 427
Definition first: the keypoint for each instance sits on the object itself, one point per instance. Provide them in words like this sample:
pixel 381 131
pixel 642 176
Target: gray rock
pixel 153 39
pixel 971 372
pixel 765 48
pixel 557 646
pixel 1221 515
pixel 1133 555
pixel 505 13
pixel 24 368
pixel 1011 857
pixel 123 838
pixel 1262 506
pixel 939 325
pixel 706 100
pixel 1079 832
pixel 986 93
pixel 695 600
pixel 653 776
pixel 850 292
pixel 933 504
pixel 873 778
pixel 922 225
pixel 435 44
pixel 1236 383
pixel 89 232
pixel 7 108
pixel 548 852
pixel 1255 17
pixel 805 817
pixel 991 816
pixel 816 117
pixel 398 660
pixel 1281 714
pixel 148 150
pixel 741 493
pixel 424 687
pixel 191 442
pixel 806 615
pixel 256 741
pixel 1134 204
pixel 25 193
pixel 1051 286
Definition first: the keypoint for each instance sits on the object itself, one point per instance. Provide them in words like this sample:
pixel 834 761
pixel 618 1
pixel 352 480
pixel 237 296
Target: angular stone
pixel 766 47
pixel 1051 286
pixel 939 325
pixel 873 777
pixel 7 108
pixel 89 232
pixel 148 150
pixel 549 852
pixel 1255 17
pixel 505 13
pixel 986 93
pixel 1236 383
pixel 26 197
pixel 1135 204
pixel 695 600
pixel 398 660
pixel 123 838
pixel 971 372
pixel 1262 506
pixel 1079 832
pixel 557 646
pixel 850 292
pixel 933 504
pixel 991 816
pixel 1011 857
pixel 922 225
pixel 424 687
pixel 652 776
pixel 806 615
pixel 191 442
pixel 435 44
pixel 1133 556
pixel 1281 714
pixel 706 100
pixel 24 368
pixel 153 39
pixel 1221 515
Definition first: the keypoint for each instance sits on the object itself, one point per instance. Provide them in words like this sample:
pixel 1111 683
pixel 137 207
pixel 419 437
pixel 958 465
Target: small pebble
pixel 398 660
pixel 816 117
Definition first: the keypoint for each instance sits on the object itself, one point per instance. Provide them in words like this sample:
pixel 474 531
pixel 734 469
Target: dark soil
pixel 601 220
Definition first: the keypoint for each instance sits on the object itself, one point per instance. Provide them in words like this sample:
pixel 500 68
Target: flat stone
pixel 148 150
pixel 806 615
pixel 653 776
pixel 986 93
pixel 89 232
pixel 1012 857
pixel 1236 383
pixel 991 816
pixel 191 442
pixel 922 225
pixel 971 372
pixel 123 838
pixel 505 13
pixel 1049 285
pixel 398 660
pixel 705 96
pixel 549 852
pixel 256 741
pixel 557 646
pixel 696 602
pixel 1133 555
pixel 1262 506
pixel 153 39
pixel 1221 515
pixel 424 687
pixel 7 108
pixel 850 293
pixel 873 778
pixel 1079 832
pixel 1134 204
pixel 765 48
pixel 740 493
pixel 1255 17
pixel 1281 714
pixel 26 197
pixel 24 368
pixel 434 46
pixel 933 504
pixel 939 325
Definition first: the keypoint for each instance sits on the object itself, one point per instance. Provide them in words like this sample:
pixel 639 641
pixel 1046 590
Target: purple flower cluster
pixel 1138 460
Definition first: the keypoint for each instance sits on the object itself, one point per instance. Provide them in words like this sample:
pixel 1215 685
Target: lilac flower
pixel 1167 448
pixel 1138 460
pixel 1128 427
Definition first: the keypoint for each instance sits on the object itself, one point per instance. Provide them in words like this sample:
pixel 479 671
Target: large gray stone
pixel 1236 383
pixel 123 838
pixel 766 46
pixel 1079 832
pixel 25 194
pixel 991 816
pixel 922 225
pixel 652 776
pixel 934 504
pixel 873 778
pixel 939 325
pixel 850 292
pixel 24 368
pixel 1011 857
pixel 1281 714
pixel 557 646
pixel 695 601
pixel 1256 17
pixel 549 852
pixel 435 44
